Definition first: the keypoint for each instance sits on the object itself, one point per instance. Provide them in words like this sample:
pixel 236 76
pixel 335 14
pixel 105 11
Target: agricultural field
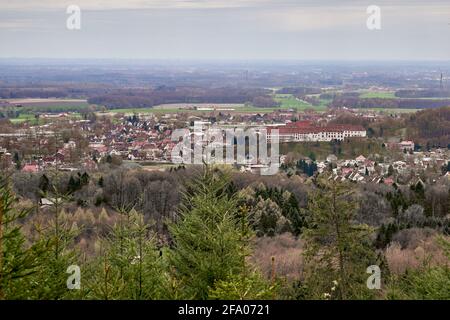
pixel 173 106
pixel 180 108
pixel 378 94
pixel 366 94
pixel 289 101
pixel 24 117
pixel 25 110
pixel 33 120
pixel 31 102
pixel 33 106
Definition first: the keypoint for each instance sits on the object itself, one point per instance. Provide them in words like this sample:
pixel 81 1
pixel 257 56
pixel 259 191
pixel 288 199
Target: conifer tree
pixel 251 286
pixel 337 250
pixel 58 236
pixel 130 266
pixel 207 244
pixel 17 261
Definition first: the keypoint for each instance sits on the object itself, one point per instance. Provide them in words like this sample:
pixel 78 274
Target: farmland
pixel 378 94
pixel 289 101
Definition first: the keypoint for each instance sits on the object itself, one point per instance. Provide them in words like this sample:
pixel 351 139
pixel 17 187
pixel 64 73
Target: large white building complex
pixel 302 131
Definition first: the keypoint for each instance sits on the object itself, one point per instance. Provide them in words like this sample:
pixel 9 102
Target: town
pixel 70 144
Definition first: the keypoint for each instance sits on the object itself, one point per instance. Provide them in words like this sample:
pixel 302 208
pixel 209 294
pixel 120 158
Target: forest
pixel 355 102
pixel 427 128
pixel 430 127
pixel 212 233
pixel 135 98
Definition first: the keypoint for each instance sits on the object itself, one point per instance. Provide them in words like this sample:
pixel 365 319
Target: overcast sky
pixel 226 29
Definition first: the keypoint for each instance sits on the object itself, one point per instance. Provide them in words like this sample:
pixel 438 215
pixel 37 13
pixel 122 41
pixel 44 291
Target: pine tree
pixel 391 171
pixel 243 287
pixel 207 244
pixel 129 266
pixel 267 218
pixel 17 262
pixel 72 185
pixel 100 182
pixel 84 179
pixel 44 183
pixel 295 215
pixel 17 160
pixel 58 236
pixel 337 251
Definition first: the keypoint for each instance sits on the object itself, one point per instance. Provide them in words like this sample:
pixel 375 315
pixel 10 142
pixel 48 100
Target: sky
pixel 226 29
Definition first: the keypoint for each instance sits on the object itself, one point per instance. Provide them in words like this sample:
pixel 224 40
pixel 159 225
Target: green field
pixel 55 108
pixel 28 111
pixel 391 95
pixel 289 101
pixel 29 117
pixel 168 111
pixel 378 94
pixel 237 109
pixel 23 118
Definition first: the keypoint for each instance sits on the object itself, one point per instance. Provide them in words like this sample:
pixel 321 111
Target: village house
pixel 31 167
pixel 406 145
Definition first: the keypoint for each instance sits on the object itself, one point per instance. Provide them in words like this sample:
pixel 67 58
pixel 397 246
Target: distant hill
pixel 423 93
pixel 371 103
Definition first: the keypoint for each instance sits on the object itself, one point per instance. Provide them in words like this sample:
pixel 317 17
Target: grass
pixel 145 110
pixel 391 95
pixel 27 113
pixel 387 95
pixel 23 117
pixel 29 117
pixel 55 108
pixel 289 101
pixel 378 94
pixel 181 110
pixel 324 103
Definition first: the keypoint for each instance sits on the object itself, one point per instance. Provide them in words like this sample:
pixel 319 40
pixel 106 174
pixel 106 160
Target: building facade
pixel 304 131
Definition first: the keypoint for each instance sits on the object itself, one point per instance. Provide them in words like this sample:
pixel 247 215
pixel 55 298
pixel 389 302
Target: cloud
pixel 246 29
pixel 17 24
pixel 297 20
pixel 200 4
pixel 129 4
pixel 315 18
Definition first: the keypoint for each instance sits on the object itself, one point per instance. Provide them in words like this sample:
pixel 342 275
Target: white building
pixel 303 131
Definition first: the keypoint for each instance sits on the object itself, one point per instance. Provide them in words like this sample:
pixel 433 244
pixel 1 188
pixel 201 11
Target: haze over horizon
pixel 226 30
